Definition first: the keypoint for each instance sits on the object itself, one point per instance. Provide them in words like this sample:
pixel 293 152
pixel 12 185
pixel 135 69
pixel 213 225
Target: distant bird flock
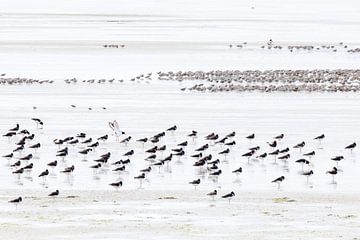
pixel 159 154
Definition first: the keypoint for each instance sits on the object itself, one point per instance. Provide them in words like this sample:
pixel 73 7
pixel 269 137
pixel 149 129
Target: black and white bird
pixel 16 201
pixel 333 172
pixel 103 138
pixel 54 194
pixel 320 137
pixel 39 123
pixel 116 185
pixel 300 145
pixel 351 146
pixel 337 159
pixel 195 183
pixel 229 196
pixel 307 174
pixel 212 194
pixel 279 180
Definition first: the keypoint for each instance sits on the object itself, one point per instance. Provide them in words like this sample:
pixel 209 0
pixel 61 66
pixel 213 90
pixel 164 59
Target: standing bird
pixel 116 185
pixel 39 123
pixel 279 137
pixel 300 145
pixel 44 174
pixel 212 194
pixel 333 172
pixel 307 174
pixel 16 201
pixel 195 183
pixel 279 180
pixel 172 129
pixel 251 136
pixel 351 146
pixel 229 196
pixel 103 138
pixel 320 137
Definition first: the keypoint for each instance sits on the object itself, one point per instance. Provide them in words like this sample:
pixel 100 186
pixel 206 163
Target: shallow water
pixel 143 110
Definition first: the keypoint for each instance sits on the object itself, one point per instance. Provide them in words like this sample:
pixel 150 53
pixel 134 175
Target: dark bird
pixel 85 151
pixel 221 141
pixel 173 128
pixel 27 157
pixel 320 137
pixel 116 185
pixel 231 135
pixel 103 138
pixel 195 183
pixel 262 156
pixel 181 153
pixel 38 122
pixel 202 148
pixel 29 166
pixel 146 170
pixel 87 141
pixel 24 131
pixel 19 149
pixel 279 180
pixel 94 145
pixel 9 134
pixel 217 173
pixel 19 171
pixel 142 140
pixel 279 137
pixel 81 135
pixel 284 157
pixel 193 135
pixel 68 169
pixel 183 144
pixel 162 148
pixel 16 164
pixel 54 194
pixel 212 194
pixel 285 150
pixel 254 148
pixel 237 171
pixel 251 136
pixel 52 164
pixel 129 153
pixel 152 150
pixel 199 155
pixel 177 149
pixel 8 155
pixel 73 142
pixel 225 152
pixel 230 143
pixel 126 140
pixel 44 174
pixel 248 155
pixel 337 159
pixel 333 172
pixel 15 129
pixel 16 201
pixel 351 146
pixel 300 145
pixel 309 154
pixel 273 144
pixel 35 146
pixel 229 196
pixel 307 174
pixel 119 169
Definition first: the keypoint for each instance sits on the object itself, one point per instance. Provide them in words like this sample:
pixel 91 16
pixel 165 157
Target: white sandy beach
pixel 142 214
